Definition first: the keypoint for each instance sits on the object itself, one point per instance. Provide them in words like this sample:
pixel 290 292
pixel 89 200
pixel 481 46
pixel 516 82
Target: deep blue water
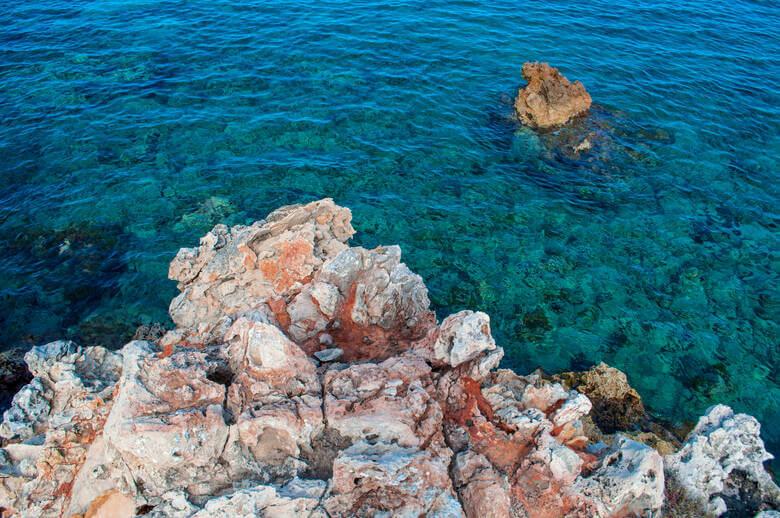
pixel 129 128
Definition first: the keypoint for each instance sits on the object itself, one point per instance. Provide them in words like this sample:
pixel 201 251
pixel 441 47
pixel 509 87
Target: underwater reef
pixel 306 377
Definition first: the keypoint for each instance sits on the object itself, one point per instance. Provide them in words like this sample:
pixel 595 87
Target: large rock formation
pixel 231 414
pixel 549 99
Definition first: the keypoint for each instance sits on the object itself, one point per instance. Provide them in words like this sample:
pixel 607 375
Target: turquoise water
pixel 129 128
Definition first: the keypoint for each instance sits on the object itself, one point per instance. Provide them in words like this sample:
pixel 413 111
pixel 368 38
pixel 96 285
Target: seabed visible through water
pixel 131 128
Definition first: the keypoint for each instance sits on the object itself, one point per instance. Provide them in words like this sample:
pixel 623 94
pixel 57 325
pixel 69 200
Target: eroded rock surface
pixel 52 424
pixel 549 99
pixel 617 408
pixel 232 414
pixel 721 464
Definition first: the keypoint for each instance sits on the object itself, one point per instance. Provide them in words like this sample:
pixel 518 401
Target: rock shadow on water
pixel 75 270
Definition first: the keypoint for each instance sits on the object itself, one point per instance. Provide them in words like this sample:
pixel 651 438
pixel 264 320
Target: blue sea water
pixel 130 127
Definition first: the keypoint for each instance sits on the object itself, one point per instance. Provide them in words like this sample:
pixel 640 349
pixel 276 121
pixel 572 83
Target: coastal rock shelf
pixel 233 414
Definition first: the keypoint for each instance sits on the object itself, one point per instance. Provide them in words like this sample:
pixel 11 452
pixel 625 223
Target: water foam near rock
pixel 309 378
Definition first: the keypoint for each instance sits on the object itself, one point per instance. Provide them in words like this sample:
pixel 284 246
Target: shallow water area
pixel 130 128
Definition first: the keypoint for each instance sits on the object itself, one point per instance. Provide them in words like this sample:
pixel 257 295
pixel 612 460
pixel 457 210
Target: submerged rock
pixel 90 257
pixel 549 99
pixel 231 414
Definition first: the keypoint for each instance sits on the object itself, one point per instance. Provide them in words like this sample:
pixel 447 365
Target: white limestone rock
pixel 63 372
pixel 241 268
pixel 388 480
pixel 724 456
pixel 297 498
pixel 52 423
pixel 463 337
pixel 630 480
pixel 167 421
pixel 482 490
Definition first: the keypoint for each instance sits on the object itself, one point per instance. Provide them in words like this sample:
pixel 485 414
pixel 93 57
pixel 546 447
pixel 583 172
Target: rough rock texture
pixel 296 498
pixel 721 464
pixel 372 479
pixel 462 337
pixel 52 424
pixel 549 99
pixel 235 269
pixel 231 414
pixel 616 405
pixel 150 332
pixel 617 408
pixel 629 480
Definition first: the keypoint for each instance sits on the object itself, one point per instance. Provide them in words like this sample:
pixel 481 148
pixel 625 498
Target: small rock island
pixel 549 99
pixel 309 378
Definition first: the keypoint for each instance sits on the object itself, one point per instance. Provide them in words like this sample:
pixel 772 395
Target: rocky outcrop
pixel 308 378
pixel 721 465
pixel 549 99
pixel 53 424
pixel 257 266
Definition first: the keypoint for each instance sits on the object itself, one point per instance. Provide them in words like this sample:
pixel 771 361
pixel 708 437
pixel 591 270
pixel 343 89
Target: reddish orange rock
pixel 549 99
